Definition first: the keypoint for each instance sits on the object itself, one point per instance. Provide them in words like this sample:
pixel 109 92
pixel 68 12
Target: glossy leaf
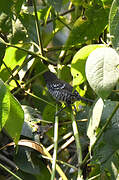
pixel 101 70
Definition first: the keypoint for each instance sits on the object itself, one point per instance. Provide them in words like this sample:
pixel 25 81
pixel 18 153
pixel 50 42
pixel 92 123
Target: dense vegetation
pixel 78 41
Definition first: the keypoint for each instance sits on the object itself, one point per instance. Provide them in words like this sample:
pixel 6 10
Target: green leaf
pixel 13 57
pixel 15 119
pixel 65 74
pixel 89 28
pixel 95 118
pixel 106 151
pixel 11 113
pixel 114 24
pixel 50 34
pixel 4 104
pixel 28 161
pixel 6 7
pixel 56 4
pixel 79 61
pixel 102 70
pixel 48 113
pixel 28 22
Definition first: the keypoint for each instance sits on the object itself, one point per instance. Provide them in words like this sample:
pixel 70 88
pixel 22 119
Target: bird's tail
pixel 86 99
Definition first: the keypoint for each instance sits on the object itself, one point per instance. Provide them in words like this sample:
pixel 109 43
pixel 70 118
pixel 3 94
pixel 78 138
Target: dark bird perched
pixel 61 90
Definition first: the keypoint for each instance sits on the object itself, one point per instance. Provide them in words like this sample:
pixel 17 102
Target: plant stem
pixel 18 69
pixel 62 14
pixel 10 72
pixel 29 81
pixel 27 51
pixel 55 146
pixel 6 169
pixel 38 28
pixel 63 23
pixel 100 133
pixel 78 146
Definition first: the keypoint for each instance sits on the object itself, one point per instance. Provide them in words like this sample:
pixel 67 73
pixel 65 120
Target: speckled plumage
pixel 61 90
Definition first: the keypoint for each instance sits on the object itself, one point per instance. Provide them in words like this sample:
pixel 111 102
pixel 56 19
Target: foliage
pixel 79 41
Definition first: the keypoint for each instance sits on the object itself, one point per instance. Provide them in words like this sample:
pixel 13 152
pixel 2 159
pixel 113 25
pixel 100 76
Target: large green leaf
pixel 95 118
pixel 89 28
pixel 28 161
pixel 15 119
pixel 106 151
pixel 11 113
pixel 4 104
pixel 114 24
pixel 79 61
pixel 101 70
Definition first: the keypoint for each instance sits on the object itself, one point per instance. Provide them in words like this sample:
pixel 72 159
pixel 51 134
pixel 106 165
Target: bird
pixel 61 90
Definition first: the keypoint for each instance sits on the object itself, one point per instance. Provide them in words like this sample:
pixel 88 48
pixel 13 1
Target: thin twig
pixel 55 146
pixel 62 14
pixel 18 69
pixel 10 72
pixel 29 81
pixel 43 100
pixel 6 169
pixel 29 52
pixel 59 19
pixel 61 162
pixel 38 28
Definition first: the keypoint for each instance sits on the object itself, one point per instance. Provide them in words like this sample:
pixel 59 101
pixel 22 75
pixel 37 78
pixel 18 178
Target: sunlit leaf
pixel 13 58
pixel 79 61
pixel 4 104
pixel 15 119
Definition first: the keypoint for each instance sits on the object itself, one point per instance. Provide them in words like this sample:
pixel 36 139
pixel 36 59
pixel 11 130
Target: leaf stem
pixel 100 133
pixel 78 145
